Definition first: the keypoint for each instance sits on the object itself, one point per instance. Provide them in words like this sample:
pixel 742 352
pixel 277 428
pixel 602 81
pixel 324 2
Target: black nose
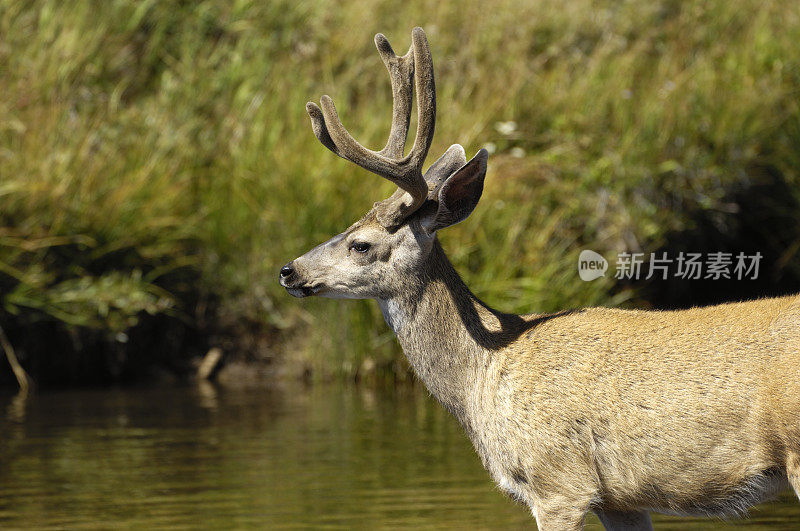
pixel 287 270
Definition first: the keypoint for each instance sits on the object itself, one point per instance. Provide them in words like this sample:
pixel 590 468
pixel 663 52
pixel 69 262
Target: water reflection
pixel 15 411
pixel 285 456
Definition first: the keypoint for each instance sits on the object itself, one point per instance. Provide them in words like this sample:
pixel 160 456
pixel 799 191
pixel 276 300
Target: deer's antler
pixel 405 172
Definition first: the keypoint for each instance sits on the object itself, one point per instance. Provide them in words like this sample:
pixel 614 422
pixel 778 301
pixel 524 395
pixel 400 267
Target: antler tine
pixel 330 131
pixel 426 98
pixel 401 74
pixel 405 172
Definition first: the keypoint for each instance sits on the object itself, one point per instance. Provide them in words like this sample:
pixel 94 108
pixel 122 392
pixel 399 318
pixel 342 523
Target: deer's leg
pixel 793 471
pixel 557 519
pixel 631 521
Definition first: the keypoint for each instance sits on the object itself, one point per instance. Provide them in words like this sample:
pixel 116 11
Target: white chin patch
pixel 335 295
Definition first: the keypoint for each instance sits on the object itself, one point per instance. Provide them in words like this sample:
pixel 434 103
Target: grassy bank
pixel 157 165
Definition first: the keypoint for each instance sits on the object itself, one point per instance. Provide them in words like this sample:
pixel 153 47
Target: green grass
pixel 156 154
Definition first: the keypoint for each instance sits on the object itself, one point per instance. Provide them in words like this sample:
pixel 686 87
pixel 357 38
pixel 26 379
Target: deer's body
pixel 614 411
pixel 683 412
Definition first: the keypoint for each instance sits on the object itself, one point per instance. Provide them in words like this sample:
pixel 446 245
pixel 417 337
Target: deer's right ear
pixel 459 194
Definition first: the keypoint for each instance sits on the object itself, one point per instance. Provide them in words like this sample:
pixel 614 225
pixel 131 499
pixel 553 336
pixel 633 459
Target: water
pixel 262 457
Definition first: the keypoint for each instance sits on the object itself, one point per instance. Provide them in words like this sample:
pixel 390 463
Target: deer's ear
pixel 453 159
pixel 459 194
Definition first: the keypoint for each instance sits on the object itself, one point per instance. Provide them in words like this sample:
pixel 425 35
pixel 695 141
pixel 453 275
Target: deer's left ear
pixel 459 194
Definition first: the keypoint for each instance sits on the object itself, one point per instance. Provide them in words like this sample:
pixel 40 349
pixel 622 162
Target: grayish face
pixel 368 261
pixel 364 262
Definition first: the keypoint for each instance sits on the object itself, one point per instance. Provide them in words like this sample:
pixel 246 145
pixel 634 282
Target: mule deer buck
pixel 619 412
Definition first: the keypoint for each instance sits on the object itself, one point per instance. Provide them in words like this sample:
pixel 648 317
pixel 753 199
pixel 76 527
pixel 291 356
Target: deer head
pixel 380 253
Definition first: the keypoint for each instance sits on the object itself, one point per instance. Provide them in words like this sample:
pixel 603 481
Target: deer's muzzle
pixel 296 286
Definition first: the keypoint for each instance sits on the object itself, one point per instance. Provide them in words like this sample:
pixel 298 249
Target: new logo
pixel 591 265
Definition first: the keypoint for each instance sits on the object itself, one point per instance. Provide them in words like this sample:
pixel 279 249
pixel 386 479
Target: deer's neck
pixel 448 335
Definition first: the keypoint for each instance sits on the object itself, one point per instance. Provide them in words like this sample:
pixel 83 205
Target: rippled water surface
pixel 262 457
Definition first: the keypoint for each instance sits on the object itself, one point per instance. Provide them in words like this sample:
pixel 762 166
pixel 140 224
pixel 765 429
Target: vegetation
pixel 157 166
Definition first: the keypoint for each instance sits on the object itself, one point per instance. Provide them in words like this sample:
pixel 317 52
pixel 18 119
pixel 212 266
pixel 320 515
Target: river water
pixel 285 456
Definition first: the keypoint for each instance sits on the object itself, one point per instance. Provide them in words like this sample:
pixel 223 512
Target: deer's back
pixel 708 348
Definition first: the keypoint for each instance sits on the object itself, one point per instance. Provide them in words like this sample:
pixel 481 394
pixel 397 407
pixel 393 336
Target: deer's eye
pixel 360 247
